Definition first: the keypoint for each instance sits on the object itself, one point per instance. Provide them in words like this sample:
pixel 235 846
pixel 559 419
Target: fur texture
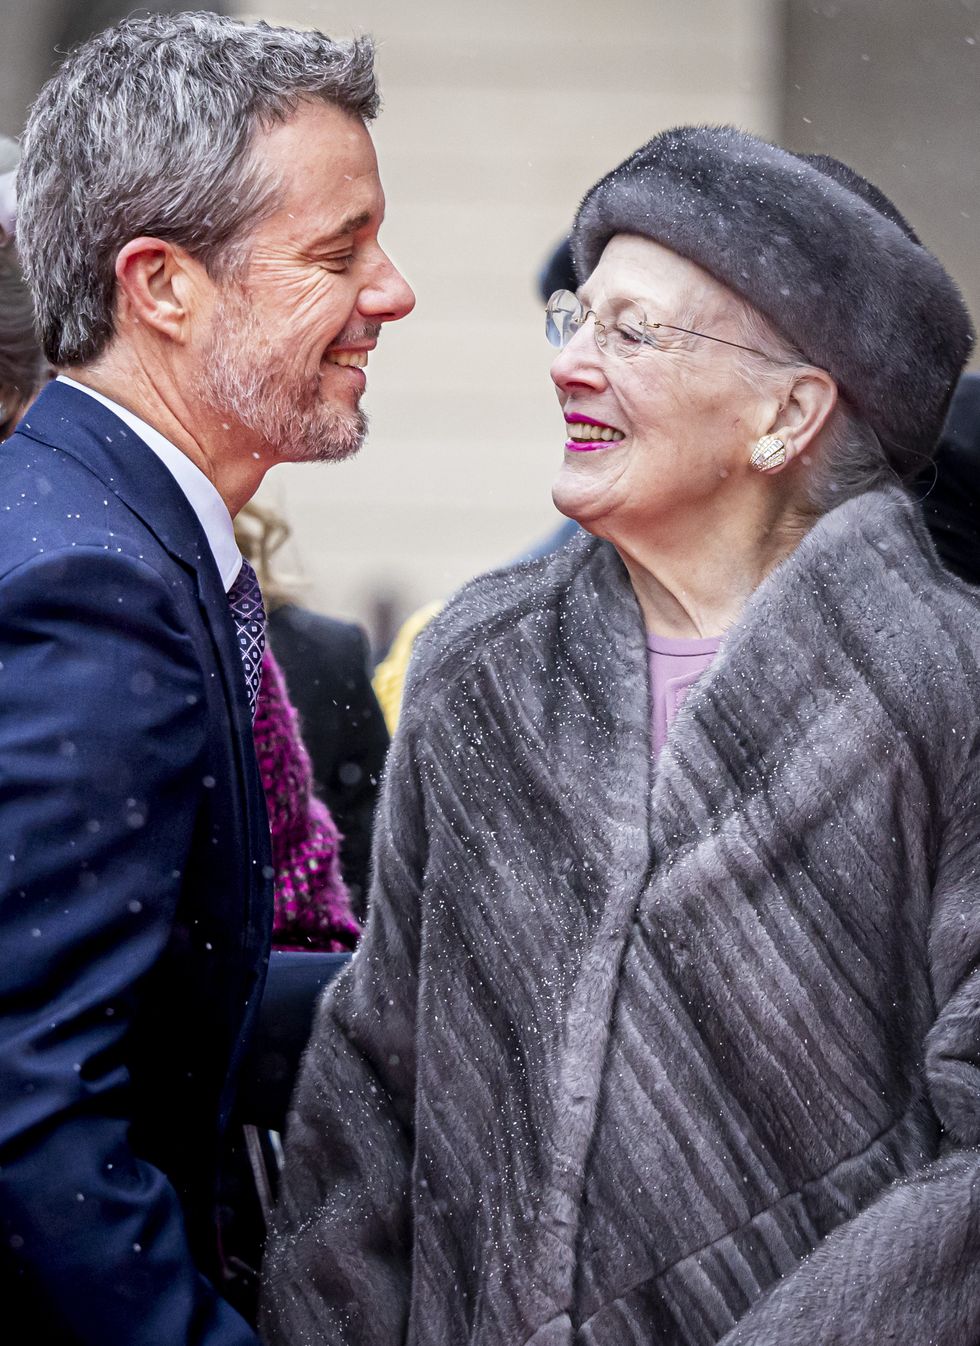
pixel 823 254
pixel 668 1052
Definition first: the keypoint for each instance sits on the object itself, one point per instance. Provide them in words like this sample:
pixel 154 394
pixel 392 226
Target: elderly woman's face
pixel 683 420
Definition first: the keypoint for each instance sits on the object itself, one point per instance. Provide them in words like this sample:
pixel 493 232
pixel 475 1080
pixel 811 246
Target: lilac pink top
pixel 675 666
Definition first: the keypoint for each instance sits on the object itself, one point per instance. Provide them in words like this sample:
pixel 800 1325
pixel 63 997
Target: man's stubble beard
pixel 243 378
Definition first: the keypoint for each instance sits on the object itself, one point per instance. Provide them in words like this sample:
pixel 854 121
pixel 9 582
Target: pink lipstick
pixel 598 435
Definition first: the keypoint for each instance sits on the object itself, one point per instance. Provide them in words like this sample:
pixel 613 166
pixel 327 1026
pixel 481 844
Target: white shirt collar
pixel 202 495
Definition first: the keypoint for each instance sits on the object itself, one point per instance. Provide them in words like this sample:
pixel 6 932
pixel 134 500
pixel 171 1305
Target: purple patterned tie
pixel 248 610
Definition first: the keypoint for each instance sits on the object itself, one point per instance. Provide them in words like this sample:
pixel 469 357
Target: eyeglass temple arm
pixel 721 340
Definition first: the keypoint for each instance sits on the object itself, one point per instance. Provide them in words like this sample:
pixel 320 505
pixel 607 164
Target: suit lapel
pixel 132 471
pixel 73 423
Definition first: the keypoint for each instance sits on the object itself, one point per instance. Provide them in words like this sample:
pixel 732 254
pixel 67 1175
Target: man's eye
pixel 338 263
pixel 634 336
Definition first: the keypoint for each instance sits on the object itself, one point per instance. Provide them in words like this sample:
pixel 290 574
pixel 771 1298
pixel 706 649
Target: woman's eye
pixel 633 336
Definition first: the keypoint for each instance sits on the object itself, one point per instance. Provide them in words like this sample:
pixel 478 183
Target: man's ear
pixel 805 410
pixel 157 287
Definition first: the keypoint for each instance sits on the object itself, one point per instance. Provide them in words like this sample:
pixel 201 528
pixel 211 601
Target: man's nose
pixel 388 295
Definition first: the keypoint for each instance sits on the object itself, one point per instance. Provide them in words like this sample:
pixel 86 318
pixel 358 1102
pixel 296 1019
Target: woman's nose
pixel 579 363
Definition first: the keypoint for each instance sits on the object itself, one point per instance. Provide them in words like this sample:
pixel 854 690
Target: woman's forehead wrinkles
pixel 687 306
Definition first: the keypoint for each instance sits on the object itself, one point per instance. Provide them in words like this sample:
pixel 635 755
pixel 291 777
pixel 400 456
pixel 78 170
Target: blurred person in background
pixel 198 216
pixel 951 491
pixel 325 665
pixel 664 1026
pixel 23 367
pixel 312 904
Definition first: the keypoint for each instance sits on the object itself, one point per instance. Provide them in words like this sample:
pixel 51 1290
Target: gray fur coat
pixel 673 1053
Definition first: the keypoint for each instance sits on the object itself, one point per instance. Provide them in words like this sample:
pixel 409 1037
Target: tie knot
pixel 245 596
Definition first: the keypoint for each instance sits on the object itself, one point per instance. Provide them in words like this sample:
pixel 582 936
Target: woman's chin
pixel 576 501
pixel 581 492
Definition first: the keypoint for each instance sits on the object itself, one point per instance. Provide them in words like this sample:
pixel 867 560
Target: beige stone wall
pixel 893 88
pixel 497 118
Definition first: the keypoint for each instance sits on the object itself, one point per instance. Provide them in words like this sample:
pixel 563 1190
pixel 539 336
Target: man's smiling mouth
pixel 358 359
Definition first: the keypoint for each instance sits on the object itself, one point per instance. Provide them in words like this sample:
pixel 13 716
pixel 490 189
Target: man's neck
pixel 216 448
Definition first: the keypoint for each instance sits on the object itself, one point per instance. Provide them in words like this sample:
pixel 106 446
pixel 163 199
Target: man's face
pixel 291 329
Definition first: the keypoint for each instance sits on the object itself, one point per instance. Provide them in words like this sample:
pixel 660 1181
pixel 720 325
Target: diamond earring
pixel 768 454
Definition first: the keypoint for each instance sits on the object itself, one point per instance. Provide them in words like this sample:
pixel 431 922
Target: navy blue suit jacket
pixel 135 889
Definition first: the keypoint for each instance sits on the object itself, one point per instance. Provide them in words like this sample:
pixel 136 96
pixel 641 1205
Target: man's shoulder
pixel 28 462
pixel 51 502
pixel 45 494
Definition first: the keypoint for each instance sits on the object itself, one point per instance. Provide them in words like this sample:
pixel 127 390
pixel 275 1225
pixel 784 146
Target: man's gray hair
pixel 147 129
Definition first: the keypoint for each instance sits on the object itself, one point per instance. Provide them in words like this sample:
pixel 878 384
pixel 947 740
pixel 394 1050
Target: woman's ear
pixel 805 411
pixel 156 286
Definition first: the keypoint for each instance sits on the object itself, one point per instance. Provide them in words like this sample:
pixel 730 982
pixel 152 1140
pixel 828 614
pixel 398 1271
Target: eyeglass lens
pixel 562 318
pixel 621 328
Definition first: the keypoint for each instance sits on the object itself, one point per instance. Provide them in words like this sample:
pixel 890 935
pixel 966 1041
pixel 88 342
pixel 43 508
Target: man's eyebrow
pixel 349 226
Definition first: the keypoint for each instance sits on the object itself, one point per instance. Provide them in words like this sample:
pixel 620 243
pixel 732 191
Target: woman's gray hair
pixel 850 458
pixel 147 129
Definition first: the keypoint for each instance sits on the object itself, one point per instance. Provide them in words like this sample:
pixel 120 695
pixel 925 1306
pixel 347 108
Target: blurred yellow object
pixel 389 676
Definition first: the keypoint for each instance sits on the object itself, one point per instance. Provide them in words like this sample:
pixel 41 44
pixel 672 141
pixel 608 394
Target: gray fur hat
pixel 814 247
